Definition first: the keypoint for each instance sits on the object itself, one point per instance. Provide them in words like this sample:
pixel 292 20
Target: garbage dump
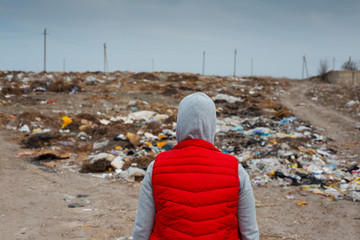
pixel 112 126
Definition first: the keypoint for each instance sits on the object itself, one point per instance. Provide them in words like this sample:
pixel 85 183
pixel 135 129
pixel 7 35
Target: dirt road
pixel 335 125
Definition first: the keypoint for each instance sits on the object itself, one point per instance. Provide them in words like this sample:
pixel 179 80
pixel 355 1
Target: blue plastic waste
pixel 237 128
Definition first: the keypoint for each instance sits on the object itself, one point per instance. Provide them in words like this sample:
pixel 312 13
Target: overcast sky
pixel 173 34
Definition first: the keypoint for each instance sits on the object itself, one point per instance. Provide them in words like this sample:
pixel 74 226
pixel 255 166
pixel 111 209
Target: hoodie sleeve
pixel 246 209
pixel 145 217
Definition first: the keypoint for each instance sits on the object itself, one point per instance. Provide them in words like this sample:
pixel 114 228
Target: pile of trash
pixel 289 152
pixel 118 143
pixel 107 136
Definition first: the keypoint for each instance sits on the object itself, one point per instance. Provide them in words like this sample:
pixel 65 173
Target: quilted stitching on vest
pixel 196 191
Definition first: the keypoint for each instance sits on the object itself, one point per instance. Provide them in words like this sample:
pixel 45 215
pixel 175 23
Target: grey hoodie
pixel 196 119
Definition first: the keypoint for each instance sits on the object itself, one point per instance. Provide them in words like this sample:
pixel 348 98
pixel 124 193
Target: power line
pixel 45 50
pixel 235 62
pixel 304 67
pixel 105 60
pixel 203 66
pixel 60 37
pixel 22 36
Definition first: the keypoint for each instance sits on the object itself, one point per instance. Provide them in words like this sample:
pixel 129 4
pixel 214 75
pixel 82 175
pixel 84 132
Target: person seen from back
pixel 194 191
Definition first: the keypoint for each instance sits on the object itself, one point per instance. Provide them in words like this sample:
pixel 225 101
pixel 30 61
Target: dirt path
pixel 335 125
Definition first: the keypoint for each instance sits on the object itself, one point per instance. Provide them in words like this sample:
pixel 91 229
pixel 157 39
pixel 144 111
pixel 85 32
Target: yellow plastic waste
pixel 161 136
pixel 272 173
pixel 307 187
pixel 301 203
pixel 283 135
pixel 118 147
pixel 336 187
pixel 357 180
pixel 66 121
pixel 330 199
pixel 36 130
pixel 161 144
pixel 82 127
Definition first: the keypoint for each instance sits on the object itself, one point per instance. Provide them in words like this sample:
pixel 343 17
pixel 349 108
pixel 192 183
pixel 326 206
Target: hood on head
pixel 196 118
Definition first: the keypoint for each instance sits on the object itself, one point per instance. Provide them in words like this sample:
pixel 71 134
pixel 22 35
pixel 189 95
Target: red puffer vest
pixel 195 189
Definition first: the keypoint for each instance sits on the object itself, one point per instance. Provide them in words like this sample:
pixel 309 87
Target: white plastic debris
pixel 83 136
pixel 90 79
pixel 99 156
pixel 40 89
pixel 141 115
pixel 9 77
pixel 117 162
pixel 20 75
pixel 353 195
pixel 150 135
pixel 132 172
pixel 302 128
pixel 161 116
pixel 351 103
pixel 24 128
pixel 227 98
pixel 98 145
pixel 104 121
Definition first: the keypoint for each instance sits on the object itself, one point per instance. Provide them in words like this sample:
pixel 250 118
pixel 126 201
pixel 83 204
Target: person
pixel 194 191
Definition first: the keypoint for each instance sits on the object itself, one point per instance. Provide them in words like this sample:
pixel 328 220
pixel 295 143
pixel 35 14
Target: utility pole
pixel 304 68
pixel 152 64
pixel 333 63
pixel 252 67
pixel 105 60
pixel 45 50
pixel 235 62
pixel 64 65
pixel 203 67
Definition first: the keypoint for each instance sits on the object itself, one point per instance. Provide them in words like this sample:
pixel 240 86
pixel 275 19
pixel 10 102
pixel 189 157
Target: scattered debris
pixel 114 132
